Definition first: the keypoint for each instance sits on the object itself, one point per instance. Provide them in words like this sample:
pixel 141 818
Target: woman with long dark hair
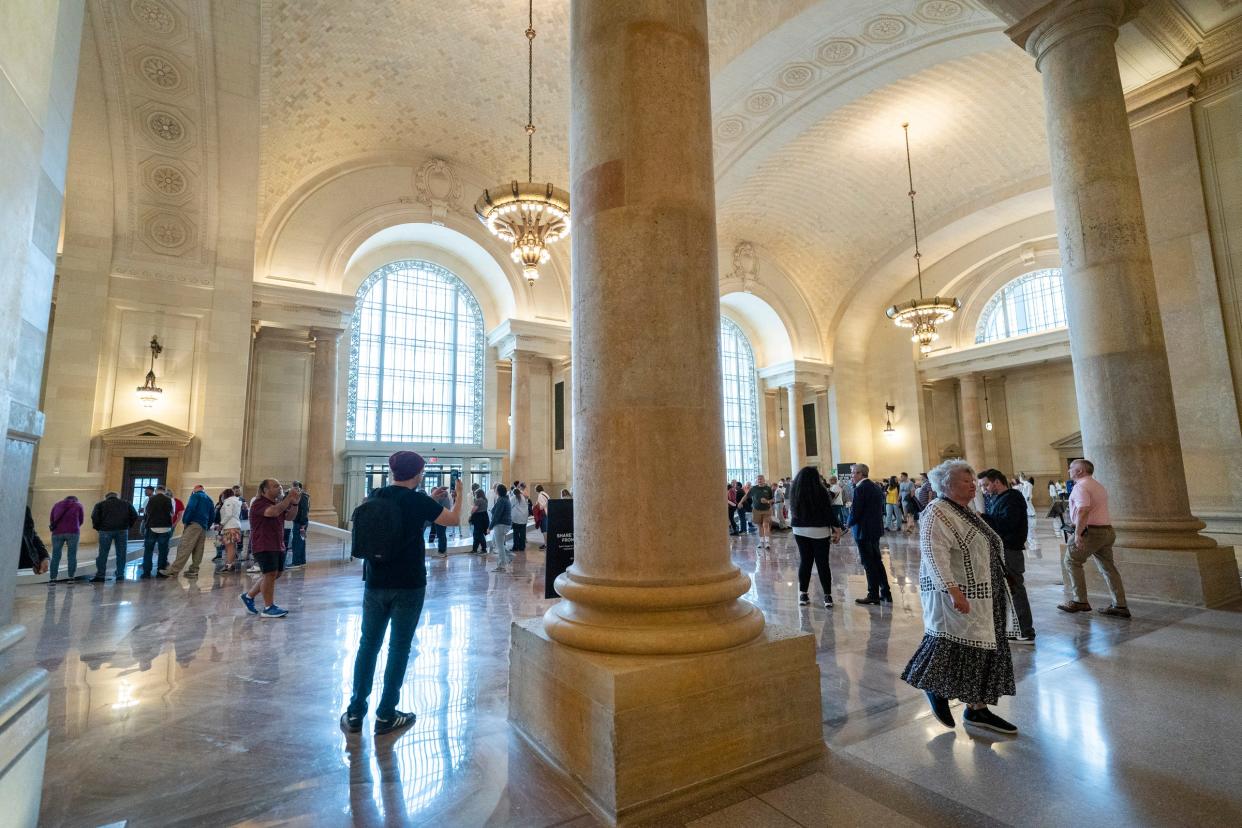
pixel 815 527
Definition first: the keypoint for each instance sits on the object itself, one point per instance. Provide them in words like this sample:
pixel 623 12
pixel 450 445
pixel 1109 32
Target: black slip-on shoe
pixel 1115 612
pixel 940 709
pixel 350 724
pixel 987 719
pixel 868 600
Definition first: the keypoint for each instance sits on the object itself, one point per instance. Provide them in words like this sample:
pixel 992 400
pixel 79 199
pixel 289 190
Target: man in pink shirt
pixel 1093 537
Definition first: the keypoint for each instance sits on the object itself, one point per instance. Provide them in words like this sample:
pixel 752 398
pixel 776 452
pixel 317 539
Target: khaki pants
pixel 1097 542
pixel 190 548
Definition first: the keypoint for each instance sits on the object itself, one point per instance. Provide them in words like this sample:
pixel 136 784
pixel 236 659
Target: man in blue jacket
pixel 867 522
pixel 196 518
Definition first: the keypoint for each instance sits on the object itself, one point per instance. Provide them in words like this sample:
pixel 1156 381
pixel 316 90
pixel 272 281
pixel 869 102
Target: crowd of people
pixel 973 530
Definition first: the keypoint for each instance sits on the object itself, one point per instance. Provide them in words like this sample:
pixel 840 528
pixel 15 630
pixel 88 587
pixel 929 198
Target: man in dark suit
pixel 867 522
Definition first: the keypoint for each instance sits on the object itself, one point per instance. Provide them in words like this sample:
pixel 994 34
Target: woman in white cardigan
pixel 965 653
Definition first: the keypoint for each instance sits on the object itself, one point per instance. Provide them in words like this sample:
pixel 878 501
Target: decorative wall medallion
pixel 745 265
pixel 160 72
pixel 437 185
pixel 761 101
pixel 836 52
pixel 885 29
pixel 153 15
pixel 797 75
pixel 168 180
pixel 167 230
pixel 940 11
pixel 165 127
pixel 730 128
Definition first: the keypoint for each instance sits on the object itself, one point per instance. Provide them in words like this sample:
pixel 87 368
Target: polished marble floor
pixel 171 706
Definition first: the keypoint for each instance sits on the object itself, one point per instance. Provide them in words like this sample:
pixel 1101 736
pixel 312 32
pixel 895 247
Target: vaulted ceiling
pixel 808 101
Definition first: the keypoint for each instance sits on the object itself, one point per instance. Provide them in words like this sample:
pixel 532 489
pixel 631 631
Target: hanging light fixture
pixel 527 216
pixel 921 314
pixel 889 408
pixel 986 408
pixel 149 392
pixel 781 404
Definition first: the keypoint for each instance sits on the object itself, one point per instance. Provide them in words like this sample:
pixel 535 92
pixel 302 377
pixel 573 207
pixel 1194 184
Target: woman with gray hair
pixel 966 608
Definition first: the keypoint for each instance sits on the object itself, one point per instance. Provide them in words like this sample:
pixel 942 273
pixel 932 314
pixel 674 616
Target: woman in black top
pixel 815 527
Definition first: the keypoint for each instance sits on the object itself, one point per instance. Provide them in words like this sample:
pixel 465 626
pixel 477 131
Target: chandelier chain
pixel 914 217
pixel 530 92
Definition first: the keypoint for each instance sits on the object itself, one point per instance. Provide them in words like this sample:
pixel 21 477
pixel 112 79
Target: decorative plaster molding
pixel 1169 27
pixel 196 279
pixel 745 266
pixel 438 186
pixel 814 375
pixel 521 336
pixel 1164 94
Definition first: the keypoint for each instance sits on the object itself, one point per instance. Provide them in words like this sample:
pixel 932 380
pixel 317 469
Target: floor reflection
pixel 234 720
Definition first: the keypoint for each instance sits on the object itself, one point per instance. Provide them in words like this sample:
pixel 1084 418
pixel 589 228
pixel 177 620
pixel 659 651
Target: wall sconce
pixel 986 407
pixel 781 416
pixel 889 408
pixel 149 392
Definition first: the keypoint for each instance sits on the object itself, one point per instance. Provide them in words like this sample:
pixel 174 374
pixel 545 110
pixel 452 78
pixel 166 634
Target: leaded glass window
pixel 1031 303
pixel 741 418
pixel 416 358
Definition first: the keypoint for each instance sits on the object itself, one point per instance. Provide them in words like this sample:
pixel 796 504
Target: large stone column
pixel 793 406
pixel 652 682
pixel 519 416
pixel 1121 370
pixel 823 435
pixel 321 427
pixel 972 425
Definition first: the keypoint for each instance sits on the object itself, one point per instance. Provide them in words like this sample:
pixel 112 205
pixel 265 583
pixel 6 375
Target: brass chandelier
pixel 922 315
pixel 528 216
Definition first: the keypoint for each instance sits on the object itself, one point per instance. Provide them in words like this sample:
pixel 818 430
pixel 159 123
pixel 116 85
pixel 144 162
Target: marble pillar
pixel 793 411
pixel 970 404
pixel 321 427
pixel 39 49
pixel 519 416
pixel 1121 369
pixel 652 682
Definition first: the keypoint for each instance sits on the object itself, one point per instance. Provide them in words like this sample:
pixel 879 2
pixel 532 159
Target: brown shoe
pixel 1115 612
pixel 1074 606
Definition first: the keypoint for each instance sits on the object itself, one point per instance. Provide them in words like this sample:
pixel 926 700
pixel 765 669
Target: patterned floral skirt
pixel 959 671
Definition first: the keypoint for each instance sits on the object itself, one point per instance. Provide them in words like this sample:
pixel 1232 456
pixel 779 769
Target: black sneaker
pixel 350 724
pixel 986 718
pixel 828 601
pixel 940 709
pixel 867 600
pixel 397 722
pixel 803 599
pixel 98 579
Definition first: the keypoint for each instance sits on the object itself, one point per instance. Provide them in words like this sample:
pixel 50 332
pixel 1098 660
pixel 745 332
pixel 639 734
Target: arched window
pixel 1031 303
pixel 416 358
pixel 741 419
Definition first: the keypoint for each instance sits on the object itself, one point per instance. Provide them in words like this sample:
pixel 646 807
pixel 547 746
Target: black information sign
pixel 560 542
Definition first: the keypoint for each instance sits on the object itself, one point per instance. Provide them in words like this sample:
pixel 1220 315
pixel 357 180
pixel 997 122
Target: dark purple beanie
pixel 405 465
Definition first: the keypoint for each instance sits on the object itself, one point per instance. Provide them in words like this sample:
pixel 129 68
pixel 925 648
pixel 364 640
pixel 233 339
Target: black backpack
pixel 377 530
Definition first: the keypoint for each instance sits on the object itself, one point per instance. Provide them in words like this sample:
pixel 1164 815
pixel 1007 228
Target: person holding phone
pixel 268 514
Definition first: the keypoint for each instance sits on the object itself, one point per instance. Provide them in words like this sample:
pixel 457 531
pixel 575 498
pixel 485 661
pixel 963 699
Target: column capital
pixel 1038 26
pixel 802 372
pixel 534 338
pixel 333 334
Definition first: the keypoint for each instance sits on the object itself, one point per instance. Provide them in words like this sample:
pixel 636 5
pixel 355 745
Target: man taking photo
pixel 395 588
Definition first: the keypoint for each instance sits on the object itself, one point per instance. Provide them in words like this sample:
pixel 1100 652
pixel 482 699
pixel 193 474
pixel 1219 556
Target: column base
pixel 1199 577
pixel 641 736
pixel 328 516
pixel 23 736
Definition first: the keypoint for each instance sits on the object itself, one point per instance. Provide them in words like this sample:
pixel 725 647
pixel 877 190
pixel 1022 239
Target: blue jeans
pixel 59 541
pixel 401 607
pixel 503 555
pixel 149 541
pixel 298 546
pixel 439 534
pixel 119 539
